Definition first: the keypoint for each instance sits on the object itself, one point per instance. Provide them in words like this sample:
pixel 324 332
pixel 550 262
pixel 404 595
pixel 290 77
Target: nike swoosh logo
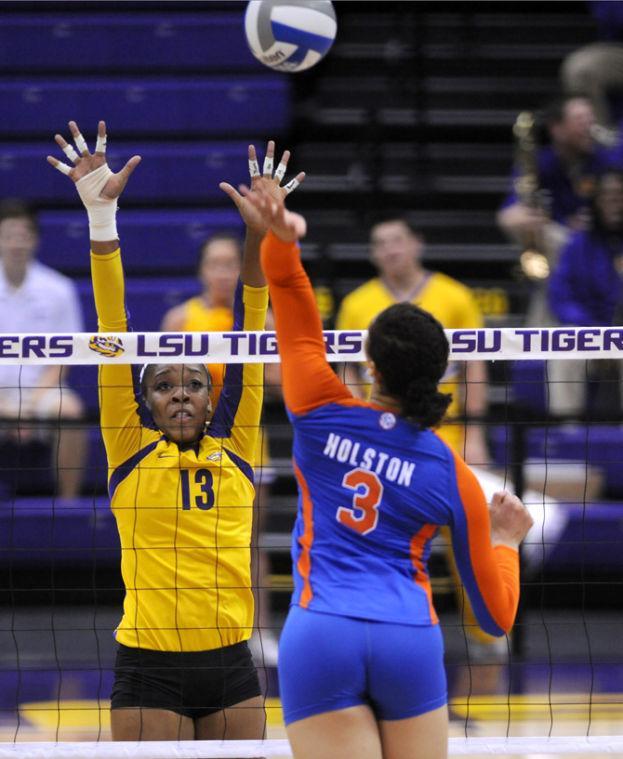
pixel 167 456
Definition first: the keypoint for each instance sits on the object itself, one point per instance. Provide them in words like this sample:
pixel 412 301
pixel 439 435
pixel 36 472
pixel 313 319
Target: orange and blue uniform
pixel 374 489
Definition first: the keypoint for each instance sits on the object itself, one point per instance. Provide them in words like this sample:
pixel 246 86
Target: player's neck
pixel 405 286
pixel 15 273
pixel 213 301
pixel 385 401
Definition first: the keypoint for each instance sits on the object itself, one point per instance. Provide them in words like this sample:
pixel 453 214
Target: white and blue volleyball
pixel 290 35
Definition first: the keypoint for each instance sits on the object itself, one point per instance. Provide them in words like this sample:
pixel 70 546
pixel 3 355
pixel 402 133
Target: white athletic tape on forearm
pixel 267 169
pixel 102 211
pixel 81 144
pixel 100 145
pixel 71 153
pixel 62 167
pixel 281 171
pixel 254 168
pixel 291 186
pixel 497 344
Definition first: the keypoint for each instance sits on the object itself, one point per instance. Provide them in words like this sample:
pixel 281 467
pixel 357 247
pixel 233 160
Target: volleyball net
pixel 554 429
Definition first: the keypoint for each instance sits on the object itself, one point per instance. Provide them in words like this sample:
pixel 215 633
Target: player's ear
pixel 372 370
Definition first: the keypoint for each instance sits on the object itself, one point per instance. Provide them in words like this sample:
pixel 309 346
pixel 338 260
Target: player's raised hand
pixel 109 185
pixel 287 225
pixel 97 185
pixel 510 519
pixel 268 182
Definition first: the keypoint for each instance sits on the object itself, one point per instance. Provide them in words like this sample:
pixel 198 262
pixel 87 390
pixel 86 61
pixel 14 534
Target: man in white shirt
pixel 37 299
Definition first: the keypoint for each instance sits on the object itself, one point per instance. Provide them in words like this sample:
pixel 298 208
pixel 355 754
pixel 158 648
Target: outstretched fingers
pixel 283 166
pixel 59 165
pixel 130 166
pixel 66 148
pixel 267 168
pixel 79 140
pixel 231 192
pixel 293 183
pixel 254 167
pixel 100 145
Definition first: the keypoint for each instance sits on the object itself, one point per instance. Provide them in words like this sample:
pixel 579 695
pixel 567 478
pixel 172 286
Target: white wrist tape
pixel 102 211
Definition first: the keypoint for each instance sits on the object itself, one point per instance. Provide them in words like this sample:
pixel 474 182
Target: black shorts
pixel 193 683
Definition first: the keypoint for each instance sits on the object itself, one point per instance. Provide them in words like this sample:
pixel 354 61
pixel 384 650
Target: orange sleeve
pixel 490 574
pixel 308 380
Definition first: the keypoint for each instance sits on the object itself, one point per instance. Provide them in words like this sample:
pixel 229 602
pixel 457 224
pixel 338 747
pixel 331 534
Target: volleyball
pixel 290 35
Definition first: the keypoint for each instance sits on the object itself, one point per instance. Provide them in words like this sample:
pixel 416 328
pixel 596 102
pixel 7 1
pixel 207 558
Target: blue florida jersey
pixel 374 488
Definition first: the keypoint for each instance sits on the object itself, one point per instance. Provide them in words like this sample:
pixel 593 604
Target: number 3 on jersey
pixel 363 515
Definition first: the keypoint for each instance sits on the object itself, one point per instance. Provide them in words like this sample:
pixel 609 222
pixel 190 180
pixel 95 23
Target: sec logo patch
pixel 387 421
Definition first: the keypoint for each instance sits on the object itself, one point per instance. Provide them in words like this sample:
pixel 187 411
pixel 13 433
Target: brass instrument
pixel 534 264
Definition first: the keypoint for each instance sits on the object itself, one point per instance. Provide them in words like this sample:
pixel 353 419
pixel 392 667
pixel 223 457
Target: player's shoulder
pixel 450 287
pixel 177 314
pixel 361 293
pixel 362 299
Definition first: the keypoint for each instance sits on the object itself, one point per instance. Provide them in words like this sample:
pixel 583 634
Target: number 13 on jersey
pixel 363 515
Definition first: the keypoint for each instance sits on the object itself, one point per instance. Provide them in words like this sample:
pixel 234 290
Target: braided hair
pixel 410 351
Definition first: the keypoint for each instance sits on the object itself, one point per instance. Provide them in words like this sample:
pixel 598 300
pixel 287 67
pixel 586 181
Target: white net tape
pixel 539 745
pixel 261 347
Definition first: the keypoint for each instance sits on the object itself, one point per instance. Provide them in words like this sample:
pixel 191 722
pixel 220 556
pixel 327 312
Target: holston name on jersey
pixel 391 468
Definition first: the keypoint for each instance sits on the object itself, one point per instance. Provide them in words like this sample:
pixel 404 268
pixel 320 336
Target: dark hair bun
pixel 410 351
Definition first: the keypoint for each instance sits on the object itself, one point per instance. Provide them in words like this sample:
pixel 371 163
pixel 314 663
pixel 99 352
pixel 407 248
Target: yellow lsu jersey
pixel 184 514
pixel 450 302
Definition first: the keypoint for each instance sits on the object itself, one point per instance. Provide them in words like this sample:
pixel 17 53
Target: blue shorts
pixel 327 662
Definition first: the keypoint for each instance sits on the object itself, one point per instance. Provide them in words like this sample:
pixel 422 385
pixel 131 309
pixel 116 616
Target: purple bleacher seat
pixel 152 240
pixel 147 300
pixel 68 532
pixel 188 173
pixel 598 445
pixel 592 538
pixel 167 106
pixel 205 41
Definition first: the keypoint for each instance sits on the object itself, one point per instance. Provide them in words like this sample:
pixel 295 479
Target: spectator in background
pixel 587 290
pixel 565 175
pixel 220 259
pixel 596 70
pixel 396 251
pixel 35 299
